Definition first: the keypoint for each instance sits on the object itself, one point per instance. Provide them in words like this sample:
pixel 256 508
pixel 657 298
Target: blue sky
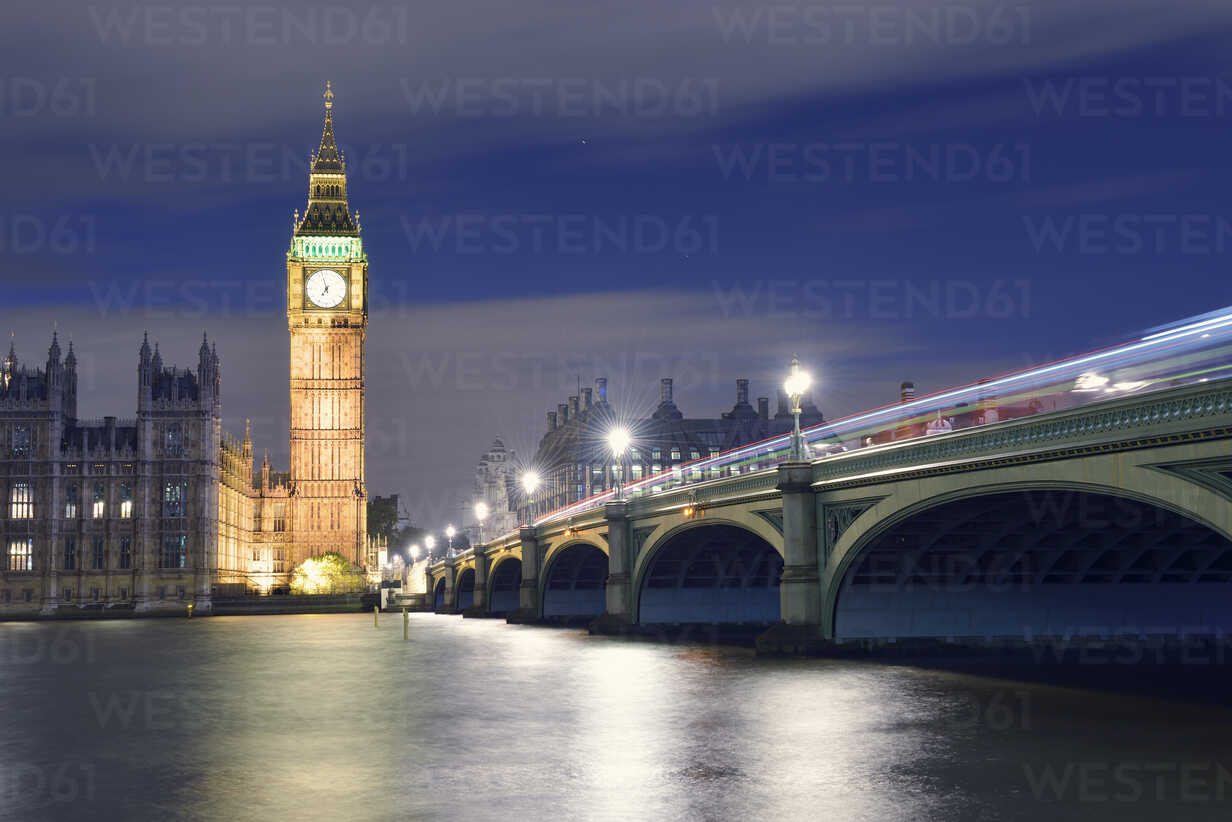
pixel 921 190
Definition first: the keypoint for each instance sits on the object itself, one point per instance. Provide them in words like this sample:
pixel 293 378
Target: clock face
pixel 325 288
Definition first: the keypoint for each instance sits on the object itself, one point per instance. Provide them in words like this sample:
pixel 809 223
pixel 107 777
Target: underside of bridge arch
pixel 715 574
pixel 575 583
pixel 1038 563
pixel 464 590
pixel 506 580
pixel 438 594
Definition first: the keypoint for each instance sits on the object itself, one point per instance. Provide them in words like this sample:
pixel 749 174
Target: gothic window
pixel 693 454
pixel 97 554
pixel 280 516
pixel 71 500
pixel 70 553
pixel 126 555
pixel 675 455
pixel 279 560
pixel 99 500
pixel 21 555
pixel 21 501
pixel 175 494
pixel 126 500
pixel 175 551
pixel 21 440
pixel 175 440
pixel 656 455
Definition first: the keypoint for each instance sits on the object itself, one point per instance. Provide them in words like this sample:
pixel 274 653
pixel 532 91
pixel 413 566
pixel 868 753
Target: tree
pixel 383 517
pixel 327 574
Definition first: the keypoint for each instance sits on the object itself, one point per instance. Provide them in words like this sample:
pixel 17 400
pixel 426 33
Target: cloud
pixel 444 380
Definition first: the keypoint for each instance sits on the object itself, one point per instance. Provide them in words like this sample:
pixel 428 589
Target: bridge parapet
pixel 1176 415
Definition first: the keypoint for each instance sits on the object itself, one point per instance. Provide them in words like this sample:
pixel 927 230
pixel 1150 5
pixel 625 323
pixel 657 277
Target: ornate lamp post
pixel 481 514
pixel 449 532
pixel 430 541
pixel 530 484
pixel 796 384
pixel 618 440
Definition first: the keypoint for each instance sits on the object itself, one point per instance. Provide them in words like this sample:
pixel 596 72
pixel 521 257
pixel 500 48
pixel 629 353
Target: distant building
pixel 495 479
pixel 574 462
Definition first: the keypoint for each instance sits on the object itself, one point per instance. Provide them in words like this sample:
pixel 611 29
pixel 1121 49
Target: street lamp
pixel 619 440
pixel 481 513
pixel 414 551
pixel 449 532
pixel 530 483
pixel 430 541
pixel 796 384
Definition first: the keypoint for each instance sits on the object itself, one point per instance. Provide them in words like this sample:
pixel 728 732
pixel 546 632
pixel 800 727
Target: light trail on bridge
pixel 1193 350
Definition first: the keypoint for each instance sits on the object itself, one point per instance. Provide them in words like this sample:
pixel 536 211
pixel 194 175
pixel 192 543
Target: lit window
pixel 637 471
pixel 21 555
pixel 675 455
pixel 693 455
pixel 656 455
pixel 656 468
pixel 71 500
pixel 174 495
pixel 126 500
pixel 714 451
pixel 21 501
pixel 100 495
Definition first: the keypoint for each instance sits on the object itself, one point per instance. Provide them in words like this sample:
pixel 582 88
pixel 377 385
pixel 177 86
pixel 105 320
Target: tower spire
pixel 327 213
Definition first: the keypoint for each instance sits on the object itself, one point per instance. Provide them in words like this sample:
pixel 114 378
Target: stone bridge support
pixel 529 595
pixel 450 577
pixel 479 605
pixel 801 584
pixel 618 615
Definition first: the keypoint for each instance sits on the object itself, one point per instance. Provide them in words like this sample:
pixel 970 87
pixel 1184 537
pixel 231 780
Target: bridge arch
pixel 1023 559
pixel 464 589
pixel 438 594
pixel 715 572
pixel 505 582
pixel 574 582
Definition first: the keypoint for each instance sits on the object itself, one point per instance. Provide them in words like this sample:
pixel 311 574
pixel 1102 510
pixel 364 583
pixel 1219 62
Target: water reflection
pixel 325 717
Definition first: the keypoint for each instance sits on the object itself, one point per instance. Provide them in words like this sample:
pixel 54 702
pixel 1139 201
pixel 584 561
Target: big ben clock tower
pixel 327 315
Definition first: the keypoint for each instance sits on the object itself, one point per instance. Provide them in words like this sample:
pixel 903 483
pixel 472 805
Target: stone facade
pixel 574 462
pixel 164 509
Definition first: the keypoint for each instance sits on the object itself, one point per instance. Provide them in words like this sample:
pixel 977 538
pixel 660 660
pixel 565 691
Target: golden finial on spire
pixel 329 96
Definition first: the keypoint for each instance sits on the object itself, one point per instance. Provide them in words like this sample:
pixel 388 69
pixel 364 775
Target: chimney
pixel 601 389
pixel 906 392
pixel 742 392
pixel 587 397
pixel 783 409
pixel 665 390
pixel 573 406
pixel 562 414
pixel 551 420
pixel 763 407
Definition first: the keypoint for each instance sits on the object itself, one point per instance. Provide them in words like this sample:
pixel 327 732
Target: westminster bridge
pixel 1110 515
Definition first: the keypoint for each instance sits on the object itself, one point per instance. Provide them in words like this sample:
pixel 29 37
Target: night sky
pixel 559 191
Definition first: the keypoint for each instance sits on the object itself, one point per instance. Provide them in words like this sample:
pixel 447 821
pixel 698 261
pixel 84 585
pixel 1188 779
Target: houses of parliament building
pixel 166 508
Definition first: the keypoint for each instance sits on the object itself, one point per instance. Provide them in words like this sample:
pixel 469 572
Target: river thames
pixel 325 717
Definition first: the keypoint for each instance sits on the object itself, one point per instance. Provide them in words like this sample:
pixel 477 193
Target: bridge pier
pixel 479 605
pixel 529 596
pixel 448 606
pixel 617 617
pixel 800 628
